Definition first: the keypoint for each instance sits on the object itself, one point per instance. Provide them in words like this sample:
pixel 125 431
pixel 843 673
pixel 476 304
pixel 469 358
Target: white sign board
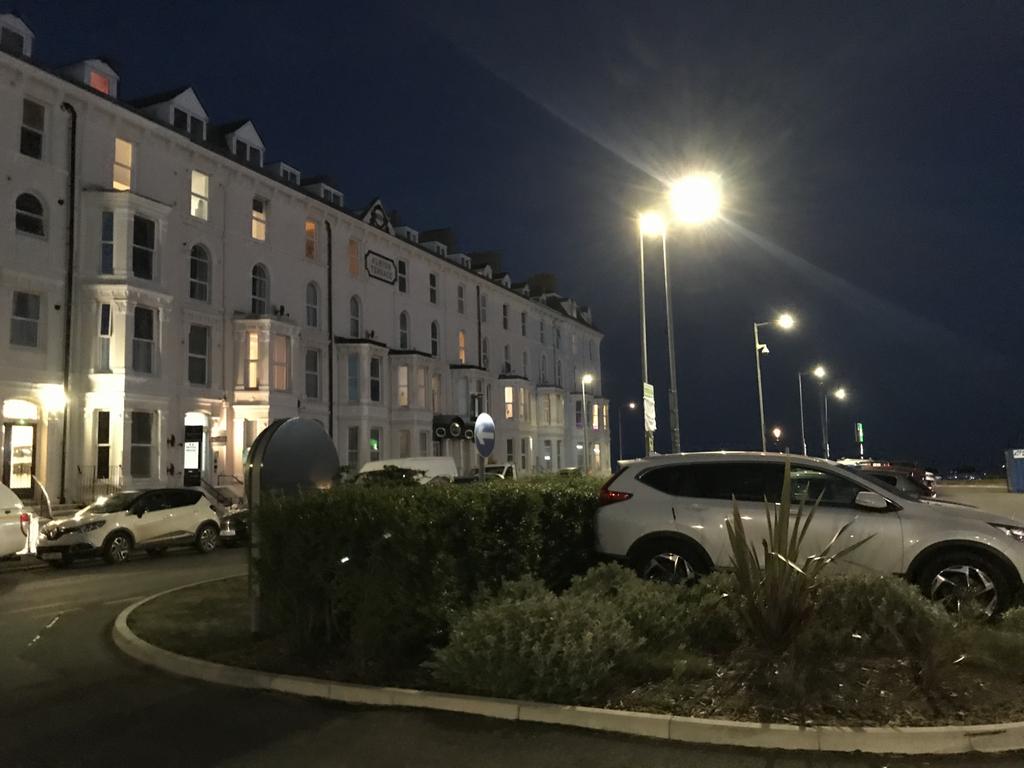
pixel 650 418
pixel 1018 453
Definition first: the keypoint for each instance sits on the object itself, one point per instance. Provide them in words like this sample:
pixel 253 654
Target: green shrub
pixel 568 649
pixel 710 614
pixel 369 576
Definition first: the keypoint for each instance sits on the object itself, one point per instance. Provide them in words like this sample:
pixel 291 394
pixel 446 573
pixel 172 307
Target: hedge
pixel 370 577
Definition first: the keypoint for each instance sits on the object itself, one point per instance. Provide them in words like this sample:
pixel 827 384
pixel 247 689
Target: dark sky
pixel 872 156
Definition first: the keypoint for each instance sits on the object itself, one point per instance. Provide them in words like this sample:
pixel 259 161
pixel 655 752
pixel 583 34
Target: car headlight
pixel 90 526
pixel 1014 531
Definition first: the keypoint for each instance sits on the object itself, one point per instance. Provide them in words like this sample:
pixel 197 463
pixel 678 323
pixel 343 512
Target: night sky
pixel 872 157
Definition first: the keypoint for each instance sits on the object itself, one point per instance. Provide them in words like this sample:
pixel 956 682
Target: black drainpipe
pixel 330 329
pixel 479 332
pixel 69 288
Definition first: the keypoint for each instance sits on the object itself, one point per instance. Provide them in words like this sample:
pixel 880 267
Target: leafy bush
pixel 528 643
pixel 370 575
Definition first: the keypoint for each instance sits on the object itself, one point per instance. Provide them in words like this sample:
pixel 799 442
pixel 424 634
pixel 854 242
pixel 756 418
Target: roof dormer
pixel 95 73
pixel 436 247
pixel 503 279
pixel 459 258
pixel 485 271
pixel 408 233
pixel 179 108
pixel 285 172
pixel 244 142
pixel 15 36
pixel 321 187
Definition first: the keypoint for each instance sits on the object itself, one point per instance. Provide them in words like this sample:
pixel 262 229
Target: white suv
pixel 665 516
pixel 114 525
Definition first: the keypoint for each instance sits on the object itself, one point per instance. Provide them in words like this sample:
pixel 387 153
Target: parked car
pixel 234 526
pixel 502 471
pixel 666 515
pixel 17 525
pixel 424 469
pixel 113 526
pixel 906 482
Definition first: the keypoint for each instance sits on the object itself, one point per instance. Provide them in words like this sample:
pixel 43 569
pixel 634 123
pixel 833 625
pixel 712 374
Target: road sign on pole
pixel 650 418
pixel 483 434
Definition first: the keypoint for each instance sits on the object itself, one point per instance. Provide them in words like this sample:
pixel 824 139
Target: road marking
pixel 33 640
pixel 50 606
pixel 53 621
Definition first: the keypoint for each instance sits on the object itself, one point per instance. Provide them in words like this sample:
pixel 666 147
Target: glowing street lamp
pixel 840 394
pixel 696 198
pixel 785 322
pixel 776 436
pixel 587 379
pixel 632 406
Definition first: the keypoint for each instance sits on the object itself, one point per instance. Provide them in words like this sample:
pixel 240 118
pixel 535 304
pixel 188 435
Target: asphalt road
pixel 69 698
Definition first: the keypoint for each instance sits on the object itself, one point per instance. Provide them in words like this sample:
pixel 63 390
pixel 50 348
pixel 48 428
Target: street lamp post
pixel 632 406
pixel 819 373
pixel 673 397
pixel 651 224
pixel 785 321
pixel 587 379
pixel 838 394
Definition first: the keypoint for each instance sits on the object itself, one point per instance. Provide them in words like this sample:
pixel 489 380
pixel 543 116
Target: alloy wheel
pixel 207 539
pixel 119 548
pixel 960 586
pixel 669 567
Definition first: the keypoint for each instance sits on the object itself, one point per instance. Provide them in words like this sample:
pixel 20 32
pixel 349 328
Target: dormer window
pixel 99 82
pixel 248 154
pixel 290 176
pixel 186 123
pixel 15 36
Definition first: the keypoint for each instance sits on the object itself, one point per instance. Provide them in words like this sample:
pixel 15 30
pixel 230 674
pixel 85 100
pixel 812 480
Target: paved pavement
pixel 69 698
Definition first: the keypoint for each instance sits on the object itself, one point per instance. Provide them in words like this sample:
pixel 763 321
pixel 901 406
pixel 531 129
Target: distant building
pixel 158 275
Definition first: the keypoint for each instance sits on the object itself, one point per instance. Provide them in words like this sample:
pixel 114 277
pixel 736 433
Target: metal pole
pixel 673 398
pixel 828 451
pixel 620 433
pixel 760 393
pixel 821 414
pixel 648 435
pixel 585 457
pixel 803 435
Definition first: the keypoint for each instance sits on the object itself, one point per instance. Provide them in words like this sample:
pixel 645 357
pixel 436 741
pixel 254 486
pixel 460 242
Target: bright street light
pixel 696 198
pixel 588 378
pixel 651 223
pixel 839 394
pixel 786 322
pixel 777 433
pixel 819 373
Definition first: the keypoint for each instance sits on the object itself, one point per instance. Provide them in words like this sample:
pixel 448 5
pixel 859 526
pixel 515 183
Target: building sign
pixel 381 268
pixel 858 433
pixel 650 419
pixel 193 455
pixel 1018 453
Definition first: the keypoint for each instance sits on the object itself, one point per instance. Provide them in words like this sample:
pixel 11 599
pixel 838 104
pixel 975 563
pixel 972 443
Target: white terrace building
pixel 158 276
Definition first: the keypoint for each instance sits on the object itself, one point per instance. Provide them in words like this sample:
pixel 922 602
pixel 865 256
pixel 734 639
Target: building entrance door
pixel 19 458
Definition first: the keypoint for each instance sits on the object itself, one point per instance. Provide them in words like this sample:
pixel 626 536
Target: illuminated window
pixel 141 453
pixel 462 347
pixel 279 362
pixel 375 365
pixel 375 443
pixel 99 82
pixel 510 403
pixel 28 215
pixel 199 274
pixel 435 342
pixel 260 290
pixel 433 288
pixel 200 201
pixel 107 243
pixel 143 247
pixel 595 416
pixel 312 305
pixel 313 373
pixel 259 219
pixel 403 330
pixel 123 152
pixel 33 121
pixel 252 360
pixel 25 320
pixel 103 348
pixel 310 239
pixel 353 258
pixel 546 400
pixel 143 339
pixel 355 317
pixel 604 416
pixel 198 354
pixel 403 386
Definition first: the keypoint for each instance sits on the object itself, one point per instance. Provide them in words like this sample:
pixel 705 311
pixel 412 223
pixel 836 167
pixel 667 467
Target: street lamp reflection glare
pixel 651 223
pixel 777 433
pixel 820 372
pixel 631 406
pixel 588 378
pixel 839 394
pixel 696 198
pixel 785 321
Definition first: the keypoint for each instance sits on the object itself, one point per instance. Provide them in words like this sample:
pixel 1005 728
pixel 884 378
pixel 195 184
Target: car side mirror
pixel 871 500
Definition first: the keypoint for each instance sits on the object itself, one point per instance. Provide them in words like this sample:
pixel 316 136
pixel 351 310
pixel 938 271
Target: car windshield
pixel 889 488
pixel 117 502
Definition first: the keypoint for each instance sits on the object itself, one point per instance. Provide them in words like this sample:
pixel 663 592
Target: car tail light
pixel 608 496
pixel 25 520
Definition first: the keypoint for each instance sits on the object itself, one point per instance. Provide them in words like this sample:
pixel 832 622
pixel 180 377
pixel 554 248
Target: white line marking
pixel 33 640
pixel 53 621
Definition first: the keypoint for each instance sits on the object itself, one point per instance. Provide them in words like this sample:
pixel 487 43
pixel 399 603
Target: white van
pixel 15 524
pixel 435 469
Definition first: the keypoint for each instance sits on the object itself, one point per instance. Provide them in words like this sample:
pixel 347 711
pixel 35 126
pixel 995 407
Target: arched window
pixel 28 214
pixel 403 330
pixel 312 305
pixel 462 347
pixel 260 290
pixel 355 315
pixel 435 343
pixel 483 353
pixel 199 274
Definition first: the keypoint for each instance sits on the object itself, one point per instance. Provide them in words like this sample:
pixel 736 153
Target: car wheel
pixel 672 562
pixel 967 582
pixel 156 551
pixel 206 538
pixel 117 548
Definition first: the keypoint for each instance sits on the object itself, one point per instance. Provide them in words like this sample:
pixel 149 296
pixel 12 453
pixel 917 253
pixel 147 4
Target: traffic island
pixel 200 631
